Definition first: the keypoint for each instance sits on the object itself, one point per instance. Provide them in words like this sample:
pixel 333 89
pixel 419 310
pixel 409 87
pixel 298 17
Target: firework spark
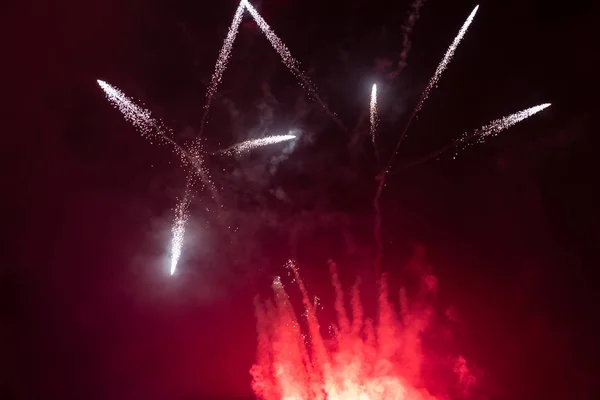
pixel 142 119
pixel 383 174
pixel 373 110
pixel 498 125
pixel 480 135
pixel 435 79
pixel 179 225
pixel 290 62
pixel 360 360
pixel 252 144
pixel 222 61
pixel 447 58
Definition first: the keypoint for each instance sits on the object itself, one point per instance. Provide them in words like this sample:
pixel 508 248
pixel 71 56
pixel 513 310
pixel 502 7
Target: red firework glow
pixel 363 360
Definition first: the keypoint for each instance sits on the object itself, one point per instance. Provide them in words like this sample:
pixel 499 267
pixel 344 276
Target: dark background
pixel 510 226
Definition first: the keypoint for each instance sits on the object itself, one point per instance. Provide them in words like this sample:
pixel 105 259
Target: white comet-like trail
pixel 222 61
pixel 373 112
pixel 252 144
pixel 153 129
pixel 178 228
pixel 498 125
pixel 447 58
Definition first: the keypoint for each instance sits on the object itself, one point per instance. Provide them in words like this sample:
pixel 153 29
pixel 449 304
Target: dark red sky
pixel 510 227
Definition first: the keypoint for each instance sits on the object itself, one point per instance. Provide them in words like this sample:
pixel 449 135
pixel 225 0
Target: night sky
pixel 510 226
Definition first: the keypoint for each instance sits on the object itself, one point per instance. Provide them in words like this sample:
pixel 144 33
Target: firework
pixel 360 360
pixel 222 61
pixel 142 119
pixel 480 135
pixel 498 125
pixel 178 228
pixel 252 144
pixel 407 28
pixel 383 174
pixel 290 62
pixel 447 58
pixel 373 110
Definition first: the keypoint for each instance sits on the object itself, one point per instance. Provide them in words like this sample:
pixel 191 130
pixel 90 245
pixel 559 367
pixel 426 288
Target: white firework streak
pixel 178 228
pixel 141 119
pixel 498 125
pixel 447 58
pixel 435 79
pixel 252 144
pixel 373 109
pixel 386 169
pixel 480 135
pixel 290 62
pixel 222 61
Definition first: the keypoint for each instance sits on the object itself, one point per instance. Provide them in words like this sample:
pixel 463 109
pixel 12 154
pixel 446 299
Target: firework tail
pixel 407 28
pixel 254 143
pixel 382 175
pixel 492 128
pixel 290 62
pixel 221 64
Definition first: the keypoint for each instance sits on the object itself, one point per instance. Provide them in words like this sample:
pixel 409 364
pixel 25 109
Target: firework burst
pixel 179 225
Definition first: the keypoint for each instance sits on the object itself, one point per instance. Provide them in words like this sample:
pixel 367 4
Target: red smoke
pixel 362 359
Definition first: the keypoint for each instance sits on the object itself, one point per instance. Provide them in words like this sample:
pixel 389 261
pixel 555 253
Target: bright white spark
pixel 141 118
pixel 223 59
pixel 447 58
pixel 498 125
pixel 252 144
pixel 178 228
pixel 373 109
pixel 290 62
pixel 433 82
pixel 138 116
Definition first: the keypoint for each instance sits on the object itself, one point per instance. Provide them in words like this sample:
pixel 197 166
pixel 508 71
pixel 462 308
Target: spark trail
pixel 435 78
pixel 485 132
pixel 361 360
pixel 373 115
pixel 222 61
pixel 252 144
pixel 498 125
pixel 153 129
pixel 142 119
pixel 290 62
pixel 179 225
pixel 432 82
pixel 407 28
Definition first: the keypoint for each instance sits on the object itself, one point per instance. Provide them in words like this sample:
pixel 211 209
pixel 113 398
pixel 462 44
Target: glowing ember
pixel 252 144
pixel 362 360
